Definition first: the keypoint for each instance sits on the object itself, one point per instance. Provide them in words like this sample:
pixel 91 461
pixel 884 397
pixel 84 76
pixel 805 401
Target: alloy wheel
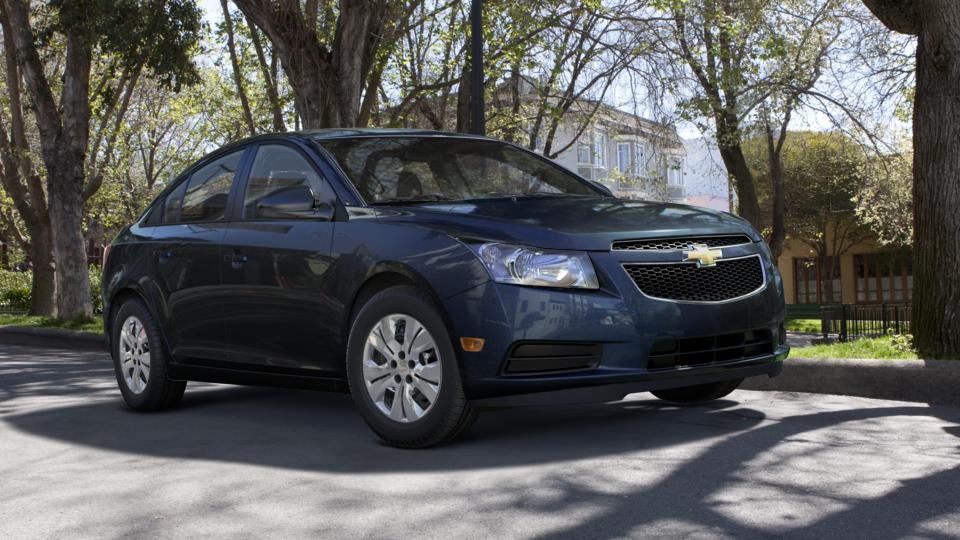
pixel 134 354
pixel 402 371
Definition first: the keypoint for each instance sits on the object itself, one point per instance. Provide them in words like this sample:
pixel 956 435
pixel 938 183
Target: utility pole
pixel 477 118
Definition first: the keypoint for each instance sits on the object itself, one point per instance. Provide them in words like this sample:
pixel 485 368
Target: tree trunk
pixel 237 72
pixel 736 164
pixel 327 80
pixel 936 191
pixel 778 235
pixel 269 78
pixel 464 97
pixel 64 129
pixel 65 186
pixel 43 295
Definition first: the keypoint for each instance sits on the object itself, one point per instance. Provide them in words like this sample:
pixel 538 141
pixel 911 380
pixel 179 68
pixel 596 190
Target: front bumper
pixel 616 389
pixel 624 322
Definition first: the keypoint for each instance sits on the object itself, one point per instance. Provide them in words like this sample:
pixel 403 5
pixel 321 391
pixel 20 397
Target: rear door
pixel 275 270
pixel 186 259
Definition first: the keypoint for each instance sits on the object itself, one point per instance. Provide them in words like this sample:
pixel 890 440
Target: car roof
pixel 337 133
pixel 342 133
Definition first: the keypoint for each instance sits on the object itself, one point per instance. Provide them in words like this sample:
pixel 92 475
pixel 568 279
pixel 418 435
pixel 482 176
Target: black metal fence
pixel 848 321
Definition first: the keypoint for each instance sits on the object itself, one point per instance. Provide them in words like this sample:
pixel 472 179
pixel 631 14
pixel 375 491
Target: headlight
pixel 537 267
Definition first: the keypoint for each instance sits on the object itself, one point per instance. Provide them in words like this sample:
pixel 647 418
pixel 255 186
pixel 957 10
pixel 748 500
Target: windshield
pixel 392 170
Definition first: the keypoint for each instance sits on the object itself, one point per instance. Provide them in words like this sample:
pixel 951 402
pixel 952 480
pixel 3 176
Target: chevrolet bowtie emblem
pixel 702 255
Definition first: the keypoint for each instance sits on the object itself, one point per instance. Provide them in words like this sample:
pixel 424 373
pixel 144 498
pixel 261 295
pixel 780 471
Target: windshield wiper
pixel 414 199
pixel 552 194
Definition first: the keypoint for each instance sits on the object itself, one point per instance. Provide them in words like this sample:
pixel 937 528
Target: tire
pixel 393 391
pixel 698 394
pixel 159 391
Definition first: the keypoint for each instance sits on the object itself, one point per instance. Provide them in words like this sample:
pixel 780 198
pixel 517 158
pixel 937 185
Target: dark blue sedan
pixel 431 275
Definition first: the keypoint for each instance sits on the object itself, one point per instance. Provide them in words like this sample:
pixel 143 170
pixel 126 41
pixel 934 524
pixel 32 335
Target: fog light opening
pixel 472 344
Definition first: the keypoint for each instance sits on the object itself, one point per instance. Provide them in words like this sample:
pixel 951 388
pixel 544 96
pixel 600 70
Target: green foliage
pixel 822 173
pixel 885 200
pixel 83 324
pixel 162 36
pixel 808 326
pixel 15 290
pixel 902 343
pixel 882 348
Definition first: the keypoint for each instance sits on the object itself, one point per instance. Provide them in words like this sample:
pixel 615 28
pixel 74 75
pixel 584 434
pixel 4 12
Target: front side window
pixel 277 168
pixel 171 205
pixel 415 169
pixel 208 190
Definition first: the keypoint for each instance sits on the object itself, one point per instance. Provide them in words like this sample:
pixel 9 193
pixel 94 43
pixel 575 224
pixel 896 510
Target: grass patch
pixel 809 326
pixel 91 324
pixel 882 347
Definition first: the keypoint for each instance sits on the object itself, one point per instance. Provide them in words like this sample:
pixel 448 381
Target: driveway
pixel 251 462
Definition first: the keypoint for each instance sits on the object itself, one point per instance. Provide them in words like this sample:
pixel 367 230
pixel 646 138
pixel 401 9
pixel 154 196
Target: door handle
pixel 236 260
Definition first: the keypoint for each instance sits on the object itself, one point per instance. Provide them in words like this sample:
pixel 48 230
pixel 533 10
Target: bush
pixel 902 343
pixel 15 290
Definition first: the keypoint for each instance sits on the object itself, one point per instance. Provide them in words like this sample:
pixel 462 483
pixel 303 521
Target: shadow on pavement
pixel 321 432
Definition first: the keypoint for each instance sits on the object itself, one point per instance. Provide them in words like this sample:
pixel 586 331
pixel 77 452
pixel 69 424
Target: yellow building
pixel 866 273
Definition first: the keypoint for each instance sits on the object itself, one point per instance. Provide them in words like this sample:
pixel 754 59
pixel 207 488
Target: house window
pixel 674 174
pixel 583 152
pixel 639 159
pixel 883 277
pixel 810 280
pixel 623 157
pixel 600 149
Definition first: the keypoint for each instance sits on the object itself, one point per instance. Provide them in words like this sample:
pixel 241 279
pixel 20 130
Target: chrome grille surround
pixel 680 243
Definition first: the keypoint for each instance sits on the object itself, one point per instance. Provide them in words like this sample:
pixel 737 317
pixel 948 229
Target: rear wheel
pixel 699 393
pixel 140 361
pixel 403 373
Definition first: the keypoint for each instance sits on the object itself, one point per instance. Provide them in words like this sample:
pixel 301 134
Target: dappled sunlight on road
pixel 303 463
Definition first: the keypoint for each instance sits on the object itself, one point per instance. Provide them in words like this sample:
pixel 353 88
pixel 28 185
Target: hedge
pixel 15 290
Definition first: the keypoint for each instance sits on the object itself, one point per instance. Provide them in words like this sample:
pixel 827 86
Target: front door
pixel 186 255
pixel 274 270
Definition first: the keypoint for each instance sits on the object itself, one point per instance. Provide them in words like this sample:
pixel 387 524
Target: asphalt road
pixel 246 462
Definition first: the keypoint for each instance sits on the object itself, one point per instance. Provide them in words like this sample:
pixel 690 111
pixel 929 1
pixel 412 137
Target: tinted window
pixel 171 206
pixel 433 168
pixel 209 189
pixel 277 168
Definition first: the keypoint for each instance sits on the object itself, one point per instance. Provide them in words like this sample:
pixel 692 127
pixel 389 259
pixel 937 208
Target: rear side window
pixel 277 168
pixel 208 190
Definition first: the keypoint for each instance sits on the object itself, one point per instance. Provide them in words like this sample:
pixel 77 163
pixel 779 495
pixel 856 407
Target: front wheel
pixel 140 360
pixel 699 393
pixel 403 373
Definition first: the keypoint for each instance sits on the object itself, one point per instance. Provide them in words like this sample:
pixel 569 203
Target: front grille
pixel 676 244
pixel 731 278
pixel 551 357
pixel 700 351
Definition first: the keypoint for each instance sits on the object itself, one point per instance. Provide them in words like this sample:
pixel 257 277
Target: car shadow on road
pixel 314 431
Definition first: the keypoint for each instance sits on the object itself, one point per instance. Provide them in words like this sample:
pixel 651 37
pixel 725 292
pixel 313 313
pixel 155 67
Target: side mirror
pixel 295 202
pixel 606 191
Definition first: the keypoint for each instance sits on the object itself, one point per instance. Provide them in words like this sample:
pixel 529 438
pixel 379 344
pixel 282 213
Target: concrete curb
pixel 52 337
pixel 928 381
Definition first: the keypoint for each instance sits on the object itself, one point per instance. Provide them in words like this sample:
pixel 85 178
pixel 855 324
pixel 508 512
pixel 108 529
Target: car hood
pixel 583 223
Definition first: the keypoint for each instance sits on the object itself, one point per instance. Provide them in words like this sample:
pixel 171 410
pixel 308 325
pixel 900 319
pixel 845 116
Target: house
pixel 705 179
pixel 635 157
pixel 864 273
